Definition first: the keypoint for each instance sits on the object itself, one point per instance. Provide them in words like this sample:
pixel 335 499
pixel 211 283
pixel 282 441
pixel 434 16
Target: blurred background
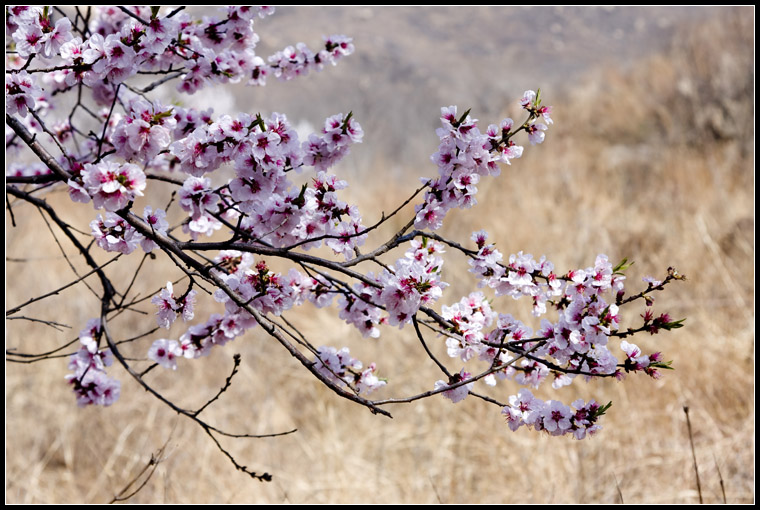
pixel 651 157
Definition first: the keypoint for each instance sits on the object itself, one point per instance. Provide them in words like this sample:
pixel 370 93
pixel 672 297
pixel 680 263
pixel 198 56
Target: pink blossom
pixel 556 417
pixel 167 306
pixel 94 387
pixel 90 335
pixel 338 46
pixel 531 373
pixel 197 197
pixel 157 222
pixel 187 305
pixel 119 59
pixel 165 353
pixel 460 392
pixel 113 186
pixel 204 225
pixel 357 311
pixel 194 152
pixel 20 93
pixel 89 380
pixel 510 151
pixel 197 77
pixel 144 131
pixel 526 409
pixel 536 132
pixel 546 112
pixel 158 34
pixel 235 128
pixel 368 381
pixel 114 234
pixel 340 368
pixel 59 35
pixel 429 216
pixel 651 281
pixel 635 360
pixel 29 39
pixel 528 98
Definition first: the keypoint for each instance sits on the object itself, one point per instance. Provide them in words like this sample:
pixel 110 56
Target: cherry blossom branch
pixel 111 148
pixel 108 295
pixel 270 328
pixel 190 414
pixel 452 386
pixel 275 252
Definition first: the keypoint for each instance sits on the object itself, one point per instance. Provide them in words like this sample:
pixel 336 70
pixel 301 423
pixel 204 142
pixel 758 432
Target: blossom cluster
pixel 34 32
pixel 91 384
pixel 552 416
pixel 20 93
pixel 636 361
pixel 359 308
pixel 298 60
pixel 199 339
pixel 577 341
pixel 262 151
pixel 465 155
pixel 339 367
pixel 169 306
pixel 413 281
pixel 210 51
pixel 144 131
pixel 109 184
pixel 146 40
pixel 114 233
pixel 265 291
pixel 458 393
pixel 149 135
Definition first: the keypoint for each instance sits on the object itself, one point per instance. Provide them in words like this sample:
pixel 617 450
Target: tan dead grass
pixel 609 179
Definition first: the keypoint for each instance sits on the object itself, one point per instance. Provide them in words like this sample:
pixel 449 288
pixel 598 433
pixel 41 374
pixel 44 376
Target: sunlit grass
pixel 634 168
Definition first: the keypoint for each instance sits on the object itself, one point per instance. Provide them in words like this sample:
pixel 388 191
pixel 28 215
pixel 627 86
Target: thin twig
pixel 59 289
pixel 720 477
pixel 155 460
pixel 617 486
pixel 693 452
pixel 227 383
pixel 133 15
pixel 427 350
pixel 55 325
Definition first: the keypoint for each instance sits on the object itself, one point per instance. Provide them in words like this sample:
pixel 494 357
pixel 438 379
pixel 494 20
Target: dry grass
pixel 653 163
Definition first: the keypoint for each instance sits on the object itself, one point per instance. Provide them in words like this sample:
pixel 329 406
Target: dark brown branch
pixel 36 147
pixel 42 204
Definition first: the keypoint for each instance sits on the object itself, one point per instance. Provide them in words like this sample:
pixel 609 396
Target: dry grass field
pixel 651 157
